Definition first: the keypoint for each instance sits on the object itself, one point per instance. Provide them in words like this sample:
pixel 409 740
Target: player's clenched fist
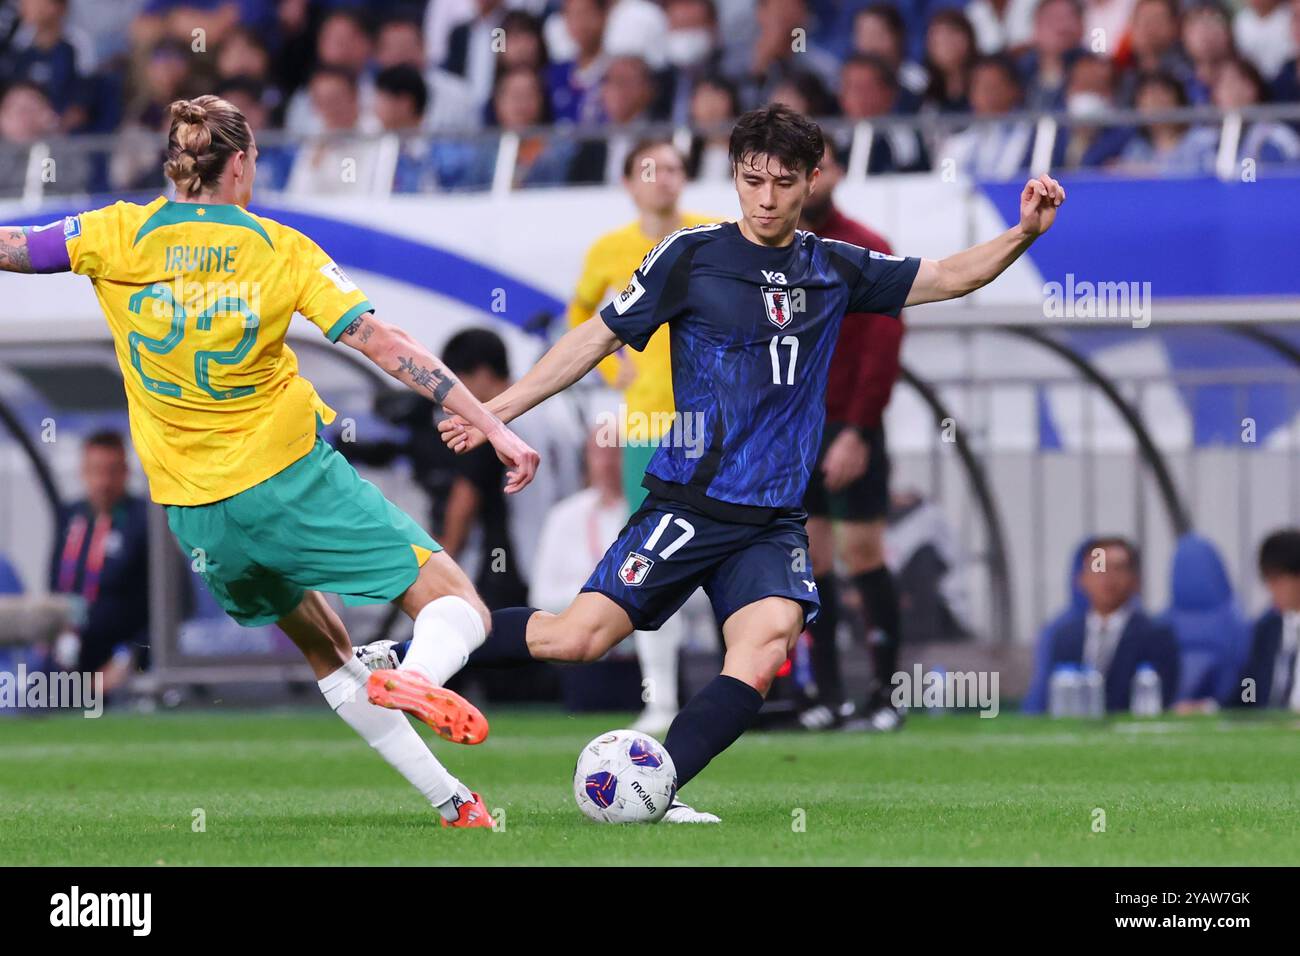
pixel 1038 203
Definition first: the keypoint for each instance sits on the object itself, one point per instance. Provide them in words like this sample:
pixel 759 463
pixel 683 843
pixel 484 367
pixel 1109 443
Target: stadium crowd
pixel 334 74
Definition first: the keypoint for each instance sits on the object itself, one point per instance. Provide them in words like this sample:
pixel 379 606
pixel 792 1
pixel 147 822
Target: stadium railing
pixel 488 160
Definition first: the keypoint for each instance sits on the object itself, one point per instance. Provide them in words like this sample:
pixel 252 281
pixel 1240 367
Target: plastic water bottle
pixel 1144 699
pixel 1093 693
pixel 1063 691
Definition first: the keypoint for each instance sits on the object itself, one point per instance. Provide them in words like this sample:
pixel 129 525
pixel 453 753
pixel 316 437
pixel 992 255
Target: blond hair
pixel 205 132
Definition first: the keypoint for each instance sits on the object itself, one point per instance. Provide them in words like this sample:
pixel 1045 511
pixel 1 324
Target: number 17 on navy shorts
pixel 667 550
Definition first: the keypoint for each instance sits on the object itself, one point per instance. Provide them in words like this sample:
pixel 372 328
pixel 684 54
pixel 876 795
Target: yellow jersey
pixel 610 262
pixel 198 298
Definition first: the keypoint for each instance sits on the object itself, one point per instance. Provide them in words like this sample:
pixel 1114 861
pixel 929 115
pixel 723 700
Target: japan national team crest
pixel 777 302
pixel 634 569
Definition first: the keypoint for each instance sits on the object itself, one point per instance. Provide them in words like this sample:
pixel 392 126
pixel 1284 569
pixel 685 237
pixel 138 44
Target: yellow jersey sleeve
pixel 95 242
pixel 592 285
pixel 326 297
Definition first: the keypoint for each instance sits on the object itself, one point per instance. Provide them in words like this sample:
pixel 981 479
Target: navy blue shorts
pixel 668 549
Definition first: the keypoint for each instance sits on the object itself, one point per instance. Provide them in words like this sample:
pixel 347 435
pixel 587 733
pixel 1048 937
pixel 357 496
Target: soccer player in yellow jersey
pixel 654 174
pixel 198 294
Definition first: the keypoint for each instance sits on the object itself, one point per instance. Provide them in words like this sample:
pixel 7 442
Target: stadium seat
pixel 1036 696
pixel 1203 613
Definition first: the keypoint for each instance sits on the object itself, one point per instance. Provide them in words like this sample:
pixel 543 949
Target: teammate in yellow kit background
pixel 654 174
pixel 198 294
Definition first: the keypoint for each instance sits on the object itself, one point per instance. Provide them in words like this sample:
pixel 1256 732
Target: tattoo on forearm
pixel 13 250
pixel 367 330
pixel 359 321
pixel 434 380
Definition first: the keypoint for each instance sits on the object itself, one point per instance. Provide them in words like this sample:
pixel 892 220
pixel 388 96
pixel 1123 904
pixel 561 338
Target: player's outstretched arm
pixel 14 255
pixel 974 268
pixel 576 353
pixel 402 357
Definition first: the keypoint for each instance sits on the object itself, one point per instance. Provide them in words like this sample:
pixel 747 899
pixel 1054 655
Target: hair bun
pixel 188 111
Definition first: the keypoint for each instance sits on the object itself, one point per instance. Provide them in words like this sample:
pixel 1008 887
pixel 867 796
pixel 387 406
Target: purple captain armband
pixel 47 248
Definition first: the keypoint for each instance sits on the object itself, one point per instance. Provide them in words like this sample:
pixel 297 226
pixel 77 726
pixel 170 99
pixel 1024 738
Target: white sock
pixel 657 653
pixel 391 734
pixel 446 632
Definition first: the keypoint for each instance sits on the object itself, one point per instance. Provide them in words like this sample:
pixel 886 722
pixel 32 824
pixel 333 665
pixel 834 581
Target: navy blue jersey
pixel 752 331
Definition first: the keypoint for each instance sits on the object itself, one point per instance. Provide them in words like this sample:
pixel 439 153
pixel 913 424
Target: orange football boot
pixel 471 815
pixel 450 715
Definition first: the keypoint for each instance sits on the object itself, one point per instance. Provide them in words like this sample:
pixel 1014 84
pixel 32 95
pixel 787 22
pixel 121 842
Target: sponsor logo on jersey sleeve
pixel 884 255
pixel 340 278
pixel 71 227
pixel 629 296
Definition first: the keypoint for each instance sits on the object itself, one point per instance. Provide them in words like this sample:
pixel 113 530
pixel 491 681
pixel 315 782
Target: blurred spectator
pixel 781 48
pixel 869 90
pixel 715 104
pixel 1154 47
pixel 1286 86
pixel 291 35
pixel 996 150
pixel 1167 147
pixel 692 51
pixel 1239 85
pixel 101 31
pixel 627 93
pixel 101 556
pixel 1207 38
pixel 573 82
pixel 274 161
pixel 1058 33
pixel 1115 636
pixel 450 104
pixel 879 31
pixel 1262 29
pixel 1089 99
pixel 1002 25
pixel 337 159
pixel 522 42
pixel 41 53
pixel 1271 677
pixel 629 25
pixel 950 50
pixel 243 53
pixel 473 47
pixel 26 118
pixel 520 106
pixel 344 43
pixel 178 19
pixel 805 93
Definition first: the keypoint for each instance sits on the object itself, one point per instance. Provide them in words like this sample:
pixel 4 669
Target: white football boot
pixel 679 812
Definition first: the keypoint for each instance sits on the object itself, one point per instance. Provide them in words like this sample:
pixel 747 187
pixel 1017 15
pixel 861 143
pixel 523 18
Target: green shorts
pixel 315 526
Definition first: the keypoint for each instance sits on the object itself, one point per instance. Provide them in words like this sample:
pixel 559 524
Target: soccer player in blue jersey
pixel 753 309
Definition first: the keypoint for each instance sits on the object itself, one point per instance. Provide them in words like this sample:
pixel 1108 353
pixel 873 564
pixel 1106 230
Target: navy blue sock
pixel 709 724
pixel 507 642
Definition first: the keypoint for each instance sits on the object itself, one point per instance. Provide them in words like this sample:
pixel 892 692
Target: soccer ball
pixel 624 777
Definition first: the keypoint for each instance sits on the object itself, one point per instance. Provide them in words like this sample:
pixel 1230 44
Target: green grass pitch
pixel 298 788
